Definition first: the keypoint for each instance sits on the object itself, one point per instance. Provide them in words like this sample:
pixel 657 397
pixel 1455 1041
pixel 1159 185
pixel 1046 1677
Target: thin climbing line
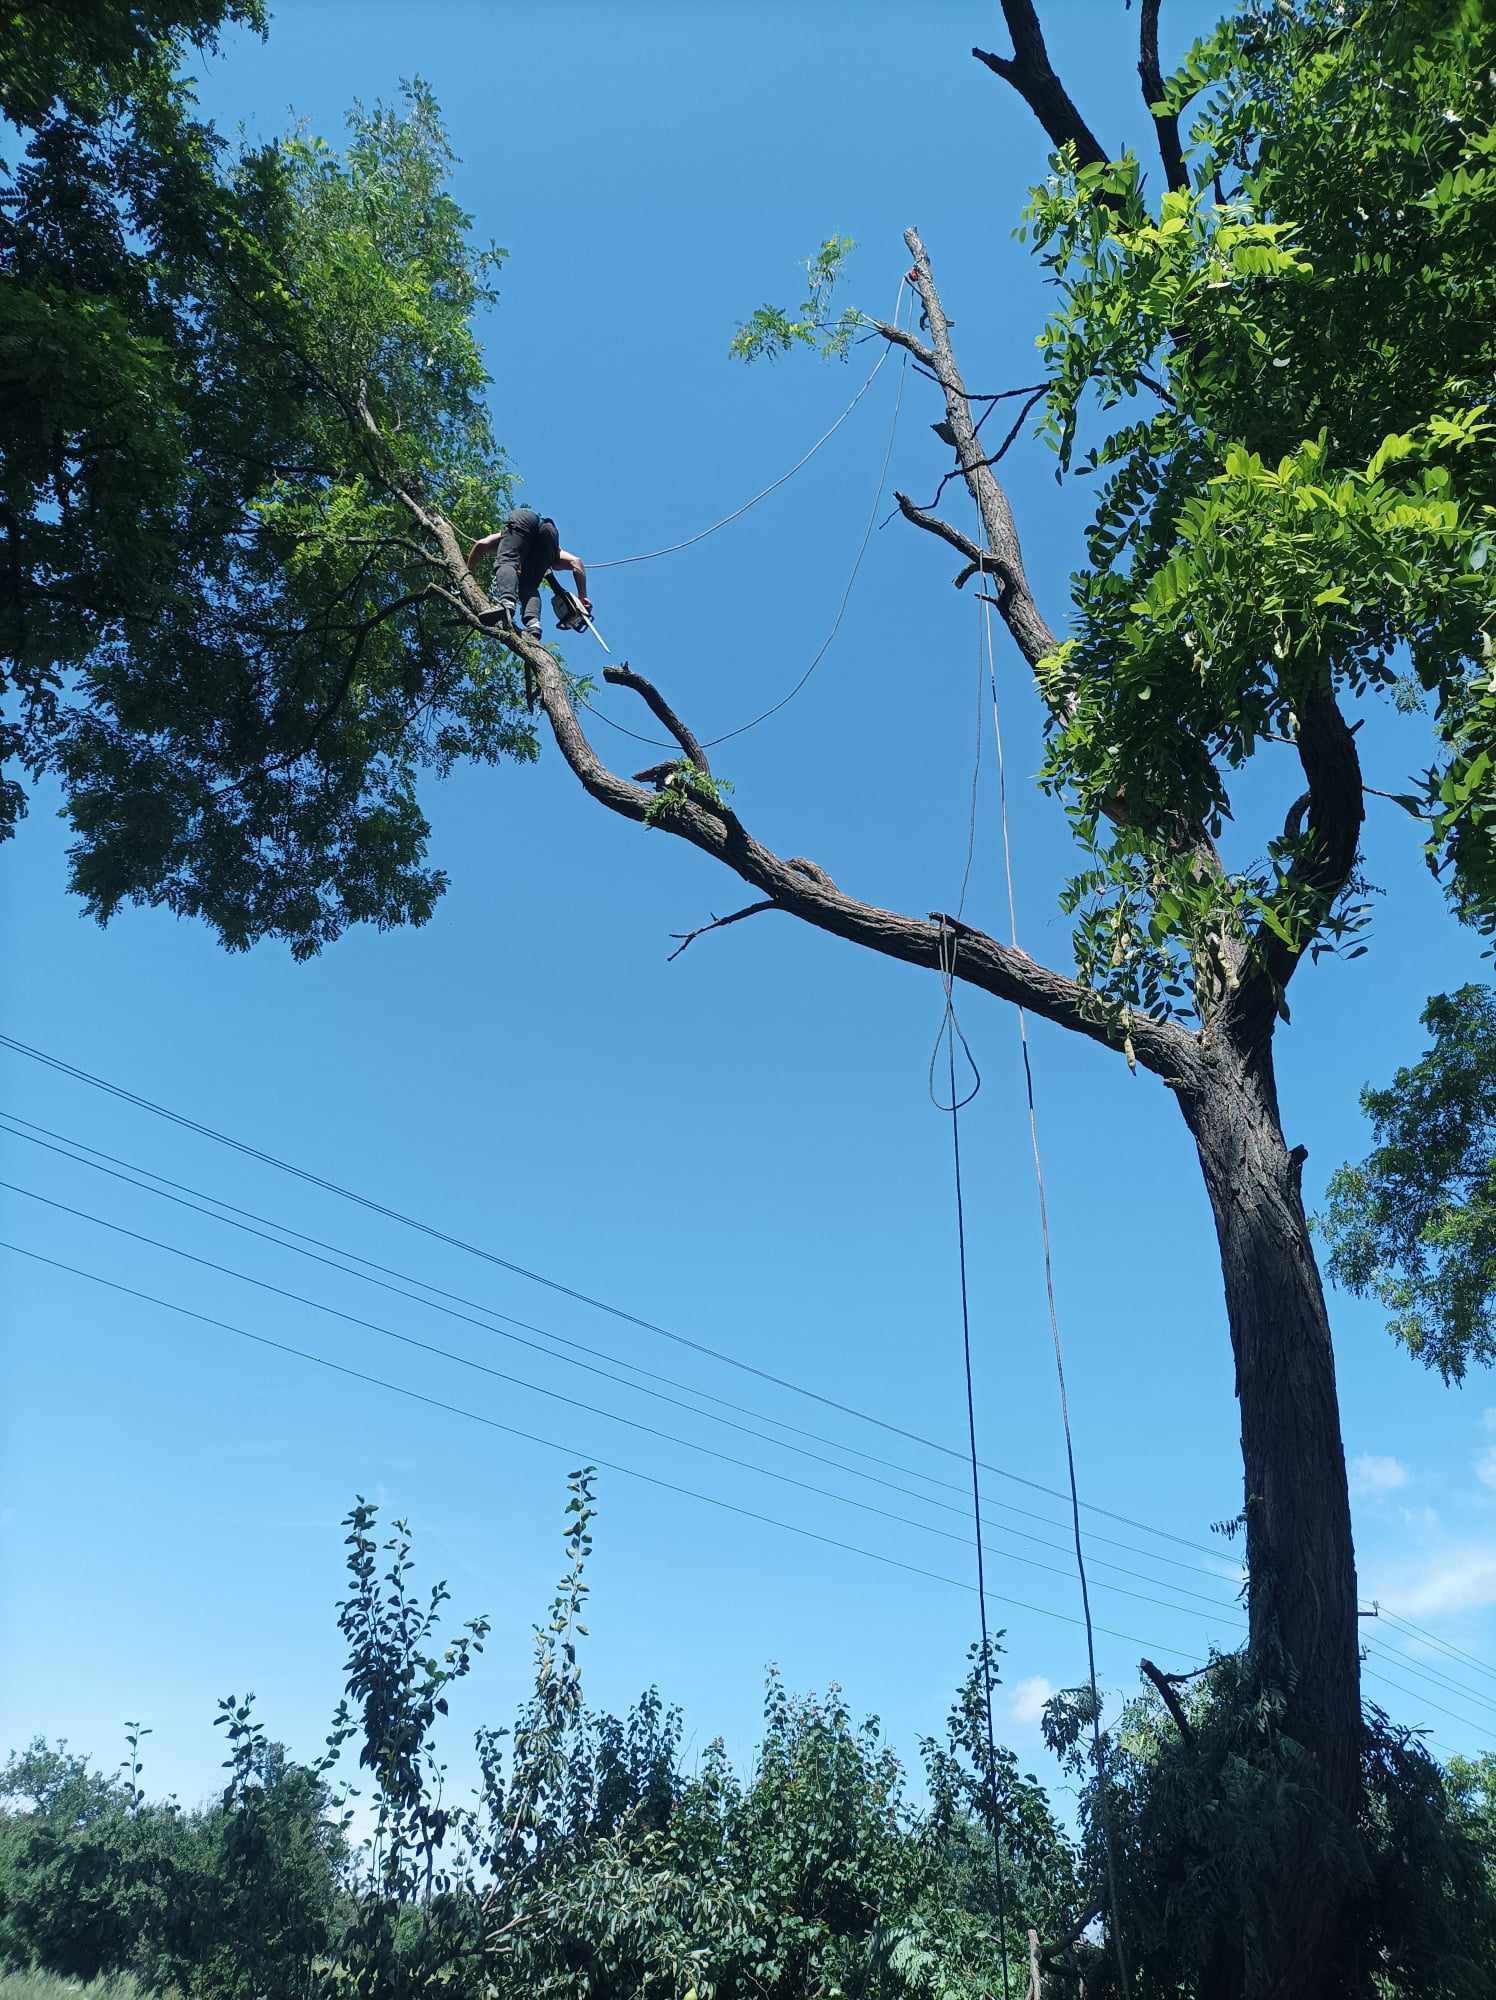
pixel 711 742
pixel 1054 1317
pixel 674 548
pixel 994 1815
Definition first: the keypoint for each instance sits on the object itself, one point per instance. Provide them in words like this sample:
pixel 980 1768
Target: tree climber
pixel 528 548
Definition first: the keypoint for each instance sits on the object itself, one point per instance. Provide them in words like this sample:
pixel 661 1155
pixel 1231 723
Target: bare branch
pixel 801 889
pixel 1166 123
pixel 995 457
pixel 900 338
pixel 1032 75
pixel 1171 1701
pixel 976 558
pixel 718 924
pixel 623 676
pixel 1033 635
pixel 808 893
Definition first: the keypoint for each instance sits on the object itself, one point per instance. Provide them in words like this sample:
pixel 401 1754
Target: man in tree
pixel 526 550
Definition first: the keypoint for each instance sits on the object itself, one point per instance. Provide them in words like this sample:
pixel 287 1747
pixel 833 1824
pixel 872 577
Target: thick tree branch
pixel 1003 558
pixel 623 676
pixel 801 889
pixel 1031 632
pixel 1166 123
pixel 1032 75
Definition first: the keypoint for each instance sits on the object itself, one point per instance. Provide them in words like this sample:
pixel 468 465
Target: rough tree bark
pixel 1303 1637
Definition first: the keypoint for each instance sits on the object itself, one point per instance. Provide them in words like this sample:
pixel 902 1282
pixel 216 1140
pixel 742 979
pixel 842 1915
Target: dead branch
pixel 1165 123
pixel 1171 1702
pixel 996 457
pixel 623 676
pixel 1032 75
pixel 718 924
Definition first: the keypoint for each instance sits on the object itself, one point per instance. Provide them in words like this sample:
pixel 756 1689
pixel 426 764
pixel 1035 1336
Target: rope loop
pixel 951 1032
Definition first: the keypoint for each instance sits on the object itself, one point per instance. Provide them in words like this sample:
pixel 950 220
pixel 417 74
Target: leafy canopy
pixel 213 377
pixel 1309 508
pixel 1414 1224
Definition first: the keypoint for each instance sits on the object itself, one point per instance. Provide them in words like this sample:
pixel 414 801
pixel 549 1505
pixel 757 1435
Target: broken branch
pixel 1171 1702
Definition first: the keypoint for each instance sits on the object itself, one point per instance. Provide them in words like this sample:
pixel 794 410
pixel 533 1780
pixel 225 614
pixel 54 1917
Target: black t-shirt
pixel 531 542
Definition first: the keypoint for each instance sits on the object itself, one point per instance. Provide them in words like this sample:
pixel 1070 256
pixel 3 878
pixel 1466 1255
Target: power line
pixel 621 1313
pixel 591 1409
pixel 530 1437
pixel 1409 1664
pixel 1417 1695
pixel 232 1220
pixel 1430 1639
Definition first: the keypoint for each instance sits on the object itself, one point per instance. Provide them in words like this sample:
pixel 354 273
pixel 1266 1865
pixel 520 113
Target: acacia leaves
pixel 1414 1223
pixel 1308 513
pixel 771 330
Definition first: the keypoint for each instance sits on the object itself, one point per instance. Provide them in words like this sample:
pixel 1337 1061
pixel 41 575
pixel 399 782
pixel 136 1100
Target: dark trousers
pixel 511 586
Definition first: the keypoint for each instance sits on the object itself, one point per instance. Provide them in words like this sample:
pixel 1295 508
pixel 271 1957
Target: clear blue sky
pixel 739 1145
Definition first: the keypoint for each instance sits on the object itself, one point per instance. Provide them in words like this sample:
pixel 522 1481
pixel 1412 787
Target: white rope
pixel 710 742
pixel 674 548
pixel 1054 1316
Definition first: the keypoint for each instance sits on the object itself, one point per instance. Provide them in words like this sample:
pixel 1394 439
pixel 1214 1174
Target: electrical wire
pixel 376 1207
pixel 530 1437
pixel 10 1119
pixel 574 1402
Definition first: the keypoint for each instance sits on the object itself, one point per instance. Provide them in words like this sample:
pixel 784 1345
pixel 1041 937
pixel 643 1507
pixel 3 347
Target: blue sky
pixel 738 1146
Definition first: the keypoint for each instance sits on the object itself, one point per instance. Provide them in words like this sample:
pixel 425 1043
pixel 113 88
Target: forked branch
pixel 1033 76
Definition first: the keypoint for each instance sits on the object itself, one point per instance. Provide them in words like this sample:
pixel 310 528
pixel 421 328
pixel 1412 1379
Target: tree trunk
pixel 1304 1637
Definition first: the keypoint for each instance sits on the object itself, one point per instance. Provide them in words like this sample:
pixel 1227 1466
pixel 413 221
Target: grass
pixel 49 1986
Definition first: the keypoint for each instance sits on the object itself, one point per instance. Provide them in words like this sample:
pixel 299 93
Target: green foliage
pixel 214 377
pixel 1414 1223
pixel 1311 502
pixel 591 1863
pixel 772 331
pixel 684 781
pixel 1192 1822
pixel 230 1902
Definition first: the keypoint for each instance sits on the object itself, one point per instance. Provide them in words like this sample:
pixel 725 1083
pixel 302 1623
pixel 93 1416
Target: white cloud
pixel 1026 1702
pixel 1371 1475
pixel 1458 1579
pixel 1488 1420
pixel 1422 1520
pixel 1485 1468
